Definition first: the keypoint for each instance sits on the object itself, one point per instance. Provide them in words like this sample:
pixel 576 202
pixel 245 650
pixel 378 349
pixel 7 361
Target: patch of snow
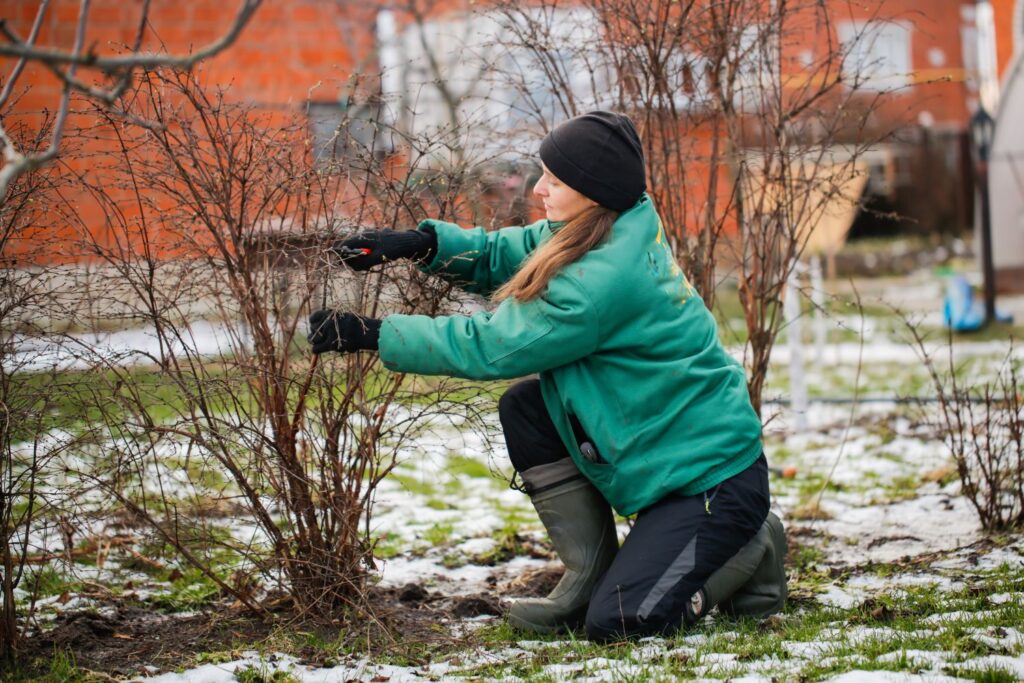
pixel 895 352
pixel 883 533
pixel 877 584
pixel 771 667
pixel 962 615
pixel 564 672
pixel 860 676
pixel 537 645
pixel 716 663
pixel 476 546
pixel 835 596
pixel 463 580
pixel 359 670
pixel 916 658
pixel 1010 556
pixel 1013 665
pixel 810 649
pixel 1007 639
pixel 125 347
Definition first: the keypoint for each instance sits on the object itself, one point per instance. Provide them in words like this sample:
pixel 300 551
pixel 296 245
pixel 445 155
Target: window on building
pixel 472 76
pixel 877 54
pixel 470 68
pixel 757 64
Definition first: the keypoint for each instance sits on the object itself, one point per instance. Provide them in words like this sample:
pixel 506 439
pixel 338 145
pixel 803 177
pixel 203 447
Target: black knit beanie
pixel 599 155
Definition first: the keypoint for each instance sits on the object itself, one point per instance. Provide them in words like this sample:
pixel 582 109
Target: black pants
pixel 674 545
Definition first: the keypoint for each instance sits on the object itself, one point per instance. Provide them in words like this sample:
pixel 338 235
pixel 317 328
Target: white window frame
pixel 880 53
pixel 1018 27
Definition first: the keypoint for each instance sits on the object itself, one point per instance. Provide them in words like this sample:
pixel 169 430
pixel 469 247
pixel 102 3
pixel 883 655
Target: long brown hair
pixel 576 238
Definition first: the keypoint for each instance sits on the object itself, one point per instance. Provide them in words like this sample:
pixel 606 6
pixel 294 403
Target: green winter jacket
pixel 620 339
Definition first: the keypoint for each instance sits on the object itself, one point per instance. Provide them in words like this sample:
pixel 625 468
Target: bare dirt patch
pixel 410 623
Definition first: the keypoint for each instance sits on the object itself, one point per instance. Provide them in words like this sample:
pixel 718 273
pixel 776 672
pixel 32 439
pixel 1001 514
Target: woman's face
pixel 561 202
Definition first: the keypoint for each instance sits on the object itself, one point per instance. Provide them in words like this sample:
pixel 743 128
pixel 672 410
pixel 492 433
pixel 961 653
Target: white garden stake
pixel 818 298
pixel 797 387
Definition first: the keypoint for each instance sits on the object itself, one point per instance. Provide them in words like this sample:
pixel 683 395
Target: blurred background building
pixel 923 66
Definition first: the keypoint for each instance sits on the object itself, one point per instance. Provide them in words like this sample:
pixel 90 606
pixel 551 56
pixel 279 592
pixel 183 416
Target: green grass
pixel 461 465
pixel 387 546
pixel 438 534
pixel 993 674
pixel 47 580
pixel 899 487
pixel 191 590
pixel 61 668
pixel 506 546
pixel 78 400
pixel 414 484
pixel 263 674
pixel 74 400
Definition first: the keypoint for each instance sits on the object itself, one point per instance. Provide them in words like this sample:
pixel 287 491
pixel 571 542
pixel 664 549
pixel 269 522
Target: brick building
pixel 312 56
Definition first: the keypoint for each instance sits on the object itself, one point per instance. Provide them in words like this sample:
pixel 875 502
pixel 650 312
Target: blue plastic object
pixel 961 311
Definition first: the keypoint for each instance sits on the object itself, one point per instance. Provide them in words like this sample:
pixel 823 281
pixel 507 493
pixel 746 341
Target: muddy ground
pixel 120 638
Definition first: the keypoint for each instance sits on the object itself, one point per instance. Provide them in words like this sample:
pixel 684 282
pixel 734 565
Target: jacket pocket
pixel 601 474
pixel 536 328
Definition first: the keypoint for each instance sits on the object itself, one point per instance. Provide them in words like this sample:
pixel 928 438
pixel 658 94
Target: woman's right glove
pixel 342 332
pixel 369 249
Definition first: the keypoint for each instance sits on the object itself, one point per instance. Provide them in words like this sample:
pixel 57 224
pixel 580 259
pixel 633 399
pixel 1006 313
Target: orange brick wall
pixel 288 47
pixel 291 51
pixel 1007 14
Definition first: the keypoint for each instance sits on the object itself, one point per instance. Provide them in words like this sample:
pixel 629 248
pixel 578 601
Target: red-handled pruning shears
pixel 350 252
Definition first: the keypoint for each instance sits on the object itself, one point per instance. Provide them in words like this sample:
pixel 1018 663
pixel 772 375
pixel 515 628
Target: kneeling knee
pixel 612 624
pixel 604 625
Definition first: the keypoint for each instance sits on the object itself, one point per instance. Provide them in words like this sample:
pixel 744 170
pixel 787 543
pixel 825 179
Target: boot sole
pixel 570 624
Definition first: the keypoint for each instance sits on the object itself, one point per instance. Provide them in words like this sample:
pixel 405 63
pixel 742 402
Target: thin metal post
pixel 982 130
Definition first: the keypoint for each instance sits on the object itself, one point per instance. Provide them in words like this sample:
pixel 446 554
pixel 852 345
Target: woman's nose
pixel 539 189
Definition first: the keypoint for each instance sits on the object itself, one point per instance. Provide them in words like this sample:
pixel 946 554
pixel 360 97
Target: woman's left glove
pixel 343 332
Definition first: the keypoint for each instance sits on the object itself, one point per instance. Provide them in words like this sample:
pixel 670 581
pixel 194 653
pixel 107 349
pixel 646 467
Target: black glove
pixel 369 249
pixel 343 332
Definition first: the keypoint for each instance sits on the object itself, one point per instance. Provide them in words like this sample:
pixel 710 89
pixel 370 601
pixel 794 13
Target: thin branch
pixel 19 164
pixel 122 67
pixel 33 34
pixel 133 61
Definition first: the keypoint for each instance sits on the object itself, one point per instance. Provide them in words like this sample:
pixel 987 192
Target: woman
pixel 637 404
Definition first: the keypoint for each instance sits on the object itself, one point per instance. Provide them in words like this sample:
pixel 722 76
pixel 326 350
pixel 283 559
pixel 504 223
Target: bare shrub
pixel 982 424
pixel 219 221
pixel 34 500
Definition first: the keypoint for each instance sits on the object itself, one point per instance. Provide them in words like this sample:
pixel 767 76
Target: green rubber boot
pixel 580 524
pixel 752 582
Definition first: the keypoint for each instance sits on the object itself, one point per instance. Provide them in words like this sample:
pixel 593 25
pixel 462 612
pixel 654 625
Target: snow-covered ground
pixel 875 508
pixel 881 507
